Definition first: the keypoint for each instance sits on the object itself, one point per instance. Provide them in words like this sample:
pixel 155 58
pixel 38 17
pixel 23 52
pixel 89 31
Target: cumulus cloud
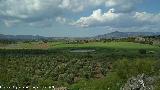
pixel 61 19
pixel 28 10
pixel 72 5
pixel 21 8
pixel 41 12
pixel 123 5
pixel 145 17
pixel 10 23
pixel 116 19
pixel 80 5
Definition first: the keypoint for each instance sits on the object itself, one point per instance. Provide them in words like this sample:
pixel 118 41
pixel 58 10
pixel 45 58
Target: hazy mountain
pixel 22 37
pixel 37 37
pixel 118 34
pixel 115 34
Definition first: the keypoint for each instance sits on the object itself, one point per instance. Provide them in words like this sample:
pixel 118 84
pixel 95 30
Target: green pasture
pixel 55 45
pixel 112 50
pixel 122 45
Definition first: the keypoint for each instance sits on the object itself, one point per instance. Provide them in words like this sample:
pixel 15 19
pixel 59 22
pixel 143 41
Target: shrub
pixel 142 51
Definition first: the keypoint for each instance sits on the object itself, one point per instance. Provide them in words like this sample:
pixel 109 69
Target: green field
pixel 51 45
pixel 47 64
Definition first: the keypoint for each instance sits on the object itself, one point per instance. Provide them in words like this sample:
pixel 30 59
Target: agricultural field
pixel 87 66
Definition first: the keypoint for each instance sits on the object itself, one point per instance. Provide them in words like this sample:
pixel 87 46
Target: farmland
pixel 110 65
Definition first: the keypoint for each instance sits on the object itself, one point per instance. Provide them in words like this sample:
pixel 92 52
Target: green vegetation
pixel 122 70
pixel 50 45
pixel 52 63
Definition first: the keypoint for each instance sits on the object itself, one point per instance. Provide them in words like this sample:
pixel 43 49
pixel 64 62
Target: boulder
pixel 141 82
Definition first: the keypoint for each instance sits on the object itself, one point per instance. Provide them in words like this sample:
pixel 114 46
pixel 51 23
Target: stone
pixel 141 82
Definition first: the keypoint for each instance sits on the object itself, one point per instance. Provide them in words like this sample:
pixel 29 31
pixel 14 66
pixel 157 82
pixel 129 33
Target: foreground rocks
pixel 141 82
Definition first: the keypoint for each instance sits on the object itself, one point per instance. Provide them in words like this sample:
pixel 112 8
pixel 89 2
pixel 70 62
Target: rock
pixel 141 82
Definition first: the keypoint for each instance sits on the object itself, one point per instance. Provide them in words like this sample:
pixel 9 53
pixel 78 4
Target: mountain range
pixel 115 35
pixel 22 37
pixel 118 34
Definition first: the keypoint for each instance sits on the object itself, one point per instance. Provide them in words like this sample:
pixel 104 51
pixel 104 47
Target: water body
pixel 82 51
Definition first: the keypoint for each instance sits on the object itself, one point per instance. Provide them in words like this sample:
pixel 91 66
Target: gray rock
pixel 141 82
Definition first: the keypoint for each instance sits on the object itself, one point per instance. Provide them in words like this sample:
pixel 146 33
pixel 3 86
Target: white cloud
pixel 10 23
pixel 42 24
pixel 35 8
pixel 122 5
pixel 26 8
pixel 41 12
pixel 96 18
pixel 29 10
pixel 145 17
pixel 19 8
pixel 115 19
pixel 61 19
pixel 80 5
pixel 72 5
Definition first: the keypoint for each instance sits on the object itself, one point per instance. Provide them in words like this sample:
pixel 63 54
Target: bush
pixel 142 51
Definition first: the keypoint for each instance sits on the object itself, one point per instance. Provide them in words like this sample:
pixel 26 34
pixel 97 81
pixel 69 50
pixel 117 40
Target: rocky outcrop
pixel 141 82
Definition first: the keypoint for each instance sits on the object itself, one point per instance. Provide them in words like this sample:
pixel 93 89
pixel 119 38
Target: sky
pixel 78 18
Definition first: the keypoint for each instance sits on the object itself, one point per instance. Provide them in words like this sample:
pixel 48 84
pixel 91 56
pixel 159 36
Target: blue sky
pixel 78 18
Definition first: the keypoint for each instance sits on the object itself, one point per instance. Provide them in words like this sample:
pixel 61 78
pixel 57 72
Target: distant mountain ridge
pixel 115 35
pixel 118 34
pixel 35 37
pixel 22 37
